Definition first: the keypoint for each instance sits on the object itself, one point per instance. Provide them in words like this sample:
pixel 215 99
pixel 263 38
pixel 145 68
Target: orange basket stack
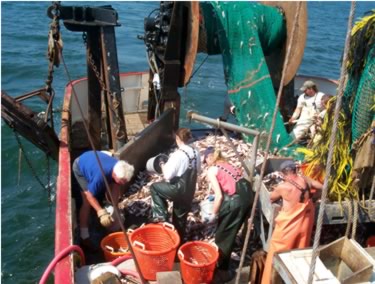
pixel 198 261
pixel 155 247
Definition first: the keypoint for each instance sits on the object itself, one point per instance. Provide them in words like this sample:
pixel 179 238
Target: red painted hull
pixel 64 270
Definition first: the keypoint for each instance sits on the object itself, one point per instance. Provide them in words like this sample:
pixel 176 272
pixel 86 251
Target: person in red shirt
pixel 231 207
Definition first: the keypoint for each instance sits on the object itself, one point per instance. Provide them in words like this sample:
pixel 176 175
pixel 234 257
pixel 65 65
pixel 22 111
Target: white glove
pixel 105 218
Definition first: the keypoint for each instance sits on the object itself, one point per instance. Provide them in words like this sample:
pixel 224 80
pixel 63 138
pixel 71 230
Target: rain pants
pixel 181 191
pixel 233 212
pixel 293 230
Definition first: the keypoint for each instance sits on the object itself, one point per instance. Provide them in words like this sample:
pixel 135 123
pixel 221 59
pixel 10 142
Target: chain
pixel 96 71
pixel 55 45
pixel 33 170
pixel 93 65
pixel 115 103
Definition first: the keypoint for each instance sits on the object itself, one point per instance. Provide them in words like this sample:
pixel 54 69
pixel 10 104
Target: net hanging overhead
pixel 360 90
pixel 244 33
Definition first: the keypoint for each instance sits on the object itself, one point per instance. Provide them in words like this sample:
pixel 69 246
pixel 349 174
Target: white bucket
pixel 153 164
pixel 207 208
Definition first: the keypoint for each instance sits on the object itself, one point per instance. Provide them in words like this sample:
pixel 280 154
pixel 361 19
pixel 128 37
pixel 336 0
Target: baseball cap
pixel 308 84
pixel 288 164
pixel 208 151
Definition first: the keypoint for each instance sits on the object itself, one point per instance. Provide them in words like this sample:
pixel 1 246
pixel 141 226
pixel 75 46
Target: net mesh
pixel 363 108
pixel 243 33
pixel 356 115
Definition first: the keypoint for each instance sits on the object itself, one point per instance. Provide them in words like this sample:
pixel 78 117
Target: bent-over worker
pixel 294 223
pixel 180 174
pixel 87 172
pixel 232 204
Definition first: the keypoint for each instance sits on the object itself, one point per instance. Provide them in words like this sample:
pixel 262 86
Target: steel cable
pixel 275 112
pixel 343 74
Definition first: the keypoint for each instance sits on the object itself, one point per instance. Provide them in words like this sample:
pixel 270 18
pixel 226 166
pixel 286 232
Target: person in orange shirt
pixel 294 223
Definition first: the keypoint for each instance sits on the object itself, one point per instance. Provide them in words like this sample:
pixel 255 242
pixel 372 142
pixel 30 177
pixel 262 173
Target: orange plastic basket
pixel 116 241
pixel 155 247
pixel 198 261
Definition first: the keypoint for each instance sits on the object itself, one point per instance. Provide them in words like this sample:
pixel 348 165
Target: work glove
pixel 210 219
pixel 105 218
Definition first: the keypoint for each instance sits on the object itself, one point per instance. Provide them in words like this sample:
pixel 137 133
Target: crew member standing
pixel 293 224
pixel 180 174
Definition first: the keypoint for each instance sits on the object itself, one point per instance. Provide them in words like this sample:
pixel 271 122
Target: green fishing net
pixel 244 32
pixel 363 108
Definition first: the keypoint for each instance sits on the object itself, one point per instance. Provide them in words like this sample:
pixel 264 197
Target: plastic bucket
pixel 117 242
pixel 153 164
pixel 198 261
pixel 207 207
pixel 155 247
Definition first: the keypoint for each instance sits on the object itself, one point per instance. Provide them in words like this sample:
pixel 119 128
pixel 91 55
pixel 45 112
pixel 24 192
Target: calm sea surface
pixel 27 219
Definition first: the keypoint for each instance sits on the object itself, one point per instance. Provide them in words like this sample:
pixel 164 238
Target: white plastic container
pixel 153 164
pixel 207 208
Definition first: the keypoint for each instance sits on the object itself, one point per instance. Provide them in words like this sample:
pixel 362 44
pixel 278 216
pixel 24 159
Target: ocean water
pixel 27 217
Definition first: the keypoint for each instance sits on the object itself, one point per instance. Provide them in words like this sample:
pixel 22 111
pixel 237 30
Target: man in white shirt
pixel 308 105
pixel 180 174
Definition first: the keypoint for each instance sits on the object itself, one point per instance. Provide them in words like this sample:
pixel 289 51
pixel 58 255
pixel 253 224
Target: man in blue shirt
pixel 89 176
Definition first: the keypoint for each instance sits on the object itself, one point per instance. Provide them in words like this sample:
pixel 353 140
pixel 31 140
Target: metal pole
pixel 225 125
pixel 218 123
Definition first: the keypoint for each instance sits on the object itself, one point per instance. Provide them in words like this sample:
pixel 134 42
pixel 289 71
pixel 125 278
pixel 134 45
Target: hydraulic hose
pixel 60 256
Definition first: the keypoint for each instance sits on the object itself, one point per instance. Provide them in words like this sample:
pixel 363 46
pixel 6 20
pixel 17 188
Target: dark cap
pixel 208 151
pixel 289 164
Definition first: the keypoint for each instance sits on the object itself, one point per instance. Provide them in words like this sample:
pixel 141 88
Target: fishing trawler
pixel 134 115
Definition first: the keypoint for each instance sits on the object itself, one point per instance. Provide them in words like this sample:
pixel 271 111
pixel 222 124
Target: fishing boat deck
pixel 129 265
pixel 135 123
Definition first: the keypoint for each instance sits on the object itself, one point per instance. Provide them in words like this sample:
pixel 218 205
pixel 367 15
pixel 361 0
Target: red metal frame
pixel 63 227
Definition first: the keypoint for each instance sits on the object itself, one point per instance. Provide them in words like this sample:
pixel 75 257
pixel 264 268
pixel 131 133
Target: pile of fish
pixel 137 201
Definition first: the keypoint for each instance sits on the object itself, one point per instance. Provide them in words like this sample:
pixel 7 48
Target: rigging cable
pixel 116 210
pixel 48 186
pixel 340 92
pixel 275 112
